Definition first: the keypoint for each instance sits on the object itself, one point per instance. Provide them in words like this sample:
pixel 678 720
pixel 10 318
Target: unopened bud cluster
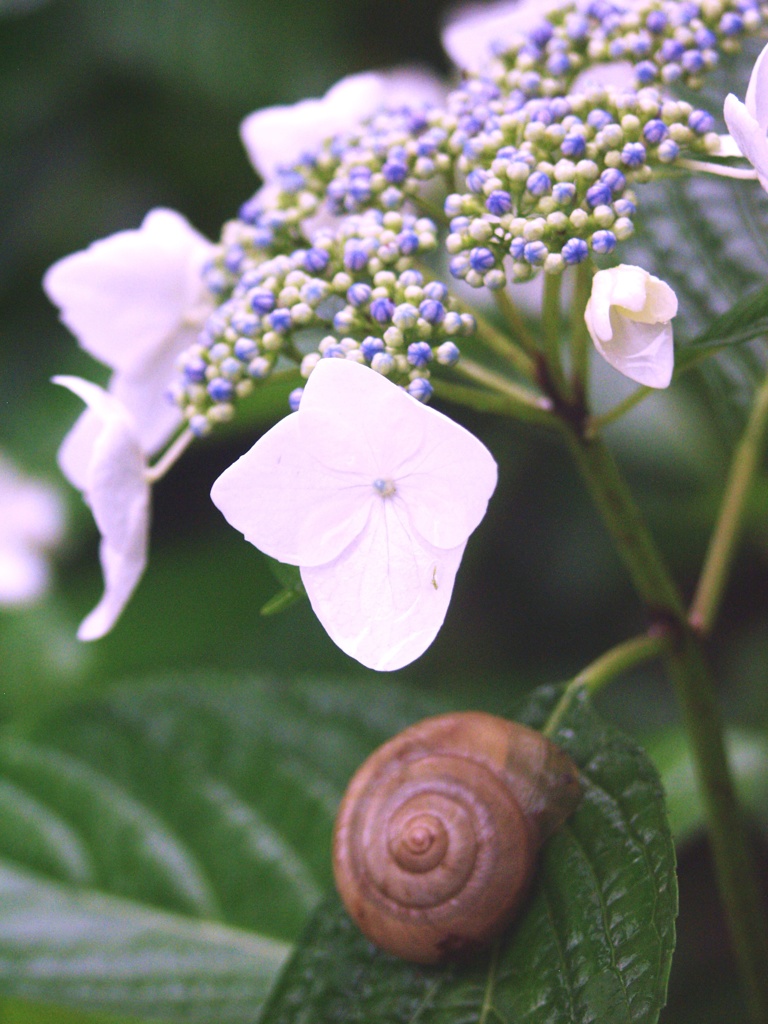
pixel 665 42
pixel 534 168
pixel 549 182
pixel 353 294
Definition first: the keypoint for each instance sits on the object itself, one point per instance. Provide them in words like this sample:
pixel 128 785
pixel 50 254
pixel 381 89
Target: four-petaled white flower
pixel 277 137
pixel 748 121
pixel 31 522
pixel 110 470
pixel 628 317
pixel 135 301
pixel 374 496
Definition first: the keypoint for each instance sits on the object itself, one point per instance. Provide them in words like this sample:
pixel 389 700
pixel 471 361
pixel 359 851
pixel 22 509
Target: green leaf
pixel 160 848
pixel 289 576
pixel 594 942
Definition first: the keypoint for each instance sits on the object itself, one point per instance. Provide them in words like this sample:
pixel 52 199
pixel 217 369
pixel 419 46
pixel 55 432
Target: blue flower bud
pixel 420 389
pixel 447 354
pixel 693 62
pixel 259 367
pixel 656 21
pixel 575 250
pixel 382 310
pixel 432 311
pixel 280 320
pixel 458 266
pixel 261 300
pixel 598 194
pixel 517 247
pixel 220 389
pixel 668 151
pixel 435 290
pixel 316 260
pixel 705 38
pixel 701 122
pixel 419 353
pixel 614 179
pixel 633 154
pixel 408 242
pixel 475 180
pixel 230 368
pixel 603 242
pixel 731 24
pixel 624 208
pixel 410 278
pixel 355 256
pixel 194 370
pixel 598 118
pixel 564 192
pixel 405 316
pixel 245 349
pixel 671 50
pixel 646 72
pixel 481 259
pixel 395 173
pixel 655 131
pixel 294 399
pixel 498 203
pixel 199 425
pixel 370 346
pixel 573 145
pixel 535 253
pixel 538 184
pixel 358 294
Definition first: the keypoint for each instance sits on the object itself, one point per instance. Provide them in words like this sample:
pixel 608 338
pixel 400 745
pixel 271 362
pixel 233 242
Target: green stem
pixel 596 423
pixel 737 882
pixel 521 402
pixel 515 322
pixel 486 401
pixel 722 545
pixel 580 339
pixel 604 669
pixel 627 527
pixel 499 343
pixel 696 695
pixel 552 331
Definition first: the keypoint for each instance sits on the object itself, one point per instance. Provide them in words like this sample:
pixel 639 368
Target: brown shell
pixel 436 839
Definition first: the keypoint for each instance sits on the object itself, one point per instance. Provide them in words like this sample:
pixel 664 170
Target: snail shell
pixel 436 838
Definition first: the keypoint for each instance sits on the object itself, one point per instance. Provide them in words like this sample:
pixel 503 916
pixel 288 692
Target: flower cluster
pixel 331 272
pixel 357 281
pixel 549 182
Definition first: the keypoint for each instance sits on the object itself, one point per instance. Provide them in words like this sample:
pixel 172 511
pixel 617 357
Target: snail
pixel 437 836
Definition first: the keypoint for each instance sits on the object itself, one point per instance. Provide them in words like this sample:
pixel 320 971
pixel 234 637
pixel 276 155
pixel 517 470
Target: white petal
pixel 118 494
pixel 292 502
pixel 445 475
pixel 756 99
pixel 472 32
pixel 280 136
pixel 747 134
pixel 643 352
pixel 385 597
pixel 628 316
pixel 728 146
pixel 619 74
pixel 127 295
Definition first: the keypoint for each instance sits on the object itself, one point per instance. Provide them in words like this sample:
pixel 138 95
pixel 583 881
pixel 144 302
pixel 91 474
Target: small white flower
pixel 31 523
pixel 374 496
pixel 628 317
pixel 135 301
pixel 108 465
pixel 279 136
pixel 748 121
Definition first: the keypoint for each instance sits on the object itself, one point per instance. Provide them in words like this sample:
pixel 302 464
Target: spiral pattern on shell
pixel 436 838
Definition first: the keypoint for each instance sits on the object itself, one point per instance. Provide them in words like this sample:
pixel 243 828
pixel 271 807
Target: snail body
pixel 437 836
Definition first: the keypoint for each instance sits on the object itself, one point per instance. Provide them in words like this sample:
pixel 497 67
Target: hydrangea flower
pixel 135 301
pixel 473 31
pixel 31 523
pixel 628 317
pixel 108 465
pixel 280 136
pixel 374 496
pixel 748 121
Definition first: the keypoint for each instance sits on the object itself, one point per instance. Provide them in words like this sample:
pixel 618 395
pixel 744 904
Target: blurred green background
pixel 112 107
